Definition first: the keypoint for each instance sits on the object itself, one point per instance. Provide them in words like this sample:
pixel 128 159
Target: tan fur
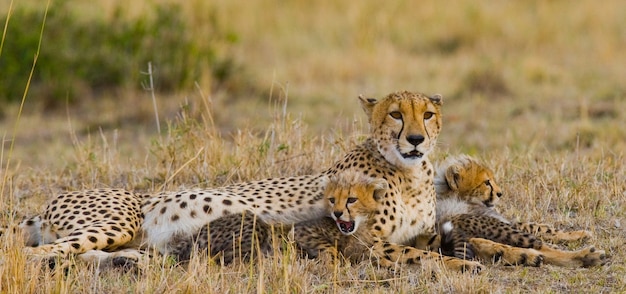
pixel 352 198
pixel 91 223
pixel 326 235
pixel 357 201
pixel 404 129
pixel 464 177
pixel 467 192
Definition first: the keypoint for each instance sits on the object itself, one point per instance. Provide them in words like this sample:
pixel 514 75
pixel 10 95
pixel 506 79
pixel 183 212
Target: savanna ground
pixel 535 88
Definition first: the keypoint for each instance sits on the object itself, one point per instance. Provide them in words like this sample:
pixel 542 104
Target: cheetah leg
pixel 93 237
pixel 315 249
pixel 390 255
pixel 585 257
pixel 509 255
pixel 551 234
pixel 428 242
pixel 122 258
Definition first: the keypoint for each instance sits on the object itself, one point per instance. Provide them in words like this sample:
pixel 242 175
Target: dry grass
pixel 534 88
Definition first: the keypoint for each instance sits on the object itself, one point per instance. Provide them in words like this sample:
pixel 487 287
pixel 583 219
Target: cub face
pixel 405 125
pixel 352 199
pixel 472 181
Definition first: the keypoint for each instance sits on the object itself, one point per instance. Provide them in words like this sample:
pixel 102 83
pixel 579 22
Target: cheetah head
pixel 468 179
pixel 405 125
pixel 352 199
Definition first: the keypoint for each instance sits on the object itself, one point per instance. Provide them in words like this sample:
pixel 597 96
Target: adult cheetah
pixel 404 127
pixel 98 224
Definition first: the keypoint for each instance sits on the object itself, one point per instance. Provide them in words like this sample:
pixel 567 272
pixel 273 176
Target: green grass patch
pixel 88 55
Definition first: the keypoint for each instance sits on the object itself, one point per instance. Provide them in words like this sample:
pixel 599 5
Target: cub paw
pixel 581 235
pixel 591 256
pixel 465 266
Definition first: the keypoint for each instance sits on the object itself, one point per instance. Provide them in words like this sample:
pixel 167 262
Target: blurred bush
pixel 88 56
pixel 486 82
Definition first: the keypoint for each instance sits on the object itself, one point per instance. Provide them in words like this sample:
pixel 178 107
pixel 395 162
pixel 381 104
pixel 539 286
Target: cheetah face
pixel 489 192
pixel 346 211
pixel 473 182
pixel 482 191
pixel 352 199
pixel 405 126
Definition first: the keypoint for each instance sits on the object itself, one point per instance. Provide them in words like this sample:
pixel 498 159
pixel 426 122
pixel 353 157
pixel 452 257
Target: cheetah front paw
pixel 591 256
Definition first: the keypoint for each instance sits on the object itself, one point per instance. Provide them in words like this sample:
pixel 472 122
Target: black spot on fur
pixel 207 209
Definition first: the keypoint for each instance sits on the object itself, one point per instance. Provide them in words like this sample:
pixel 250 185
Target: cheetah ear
pixel 453 177
pixel 436 99
pixel 368 105
pixel 380 188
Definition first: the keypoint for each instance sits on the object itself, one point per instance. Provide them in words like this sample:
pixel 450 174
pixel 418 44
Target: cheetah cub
pixel 470 226
pixel 352 200
pixel 233 237
pixel 350 230
pixel 239 236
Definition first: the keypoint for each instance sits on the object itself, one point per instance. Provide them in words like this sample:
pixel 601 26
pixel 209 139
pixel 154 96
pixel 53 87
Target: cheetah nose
pixel 338 214
pixel 415 139
pixel 499 194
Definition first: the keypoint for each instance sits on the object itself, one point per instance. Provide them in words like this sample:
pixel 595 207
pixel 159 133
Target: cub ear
pixel 453 177
pixel 380 188
pixel 368 105
pixel 436 99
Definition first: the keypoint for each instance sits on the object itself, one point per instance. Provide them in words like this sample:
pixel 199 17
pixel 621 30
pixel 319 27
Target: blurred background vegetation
pixel 85 52
pixel 499 65
pixel 264 88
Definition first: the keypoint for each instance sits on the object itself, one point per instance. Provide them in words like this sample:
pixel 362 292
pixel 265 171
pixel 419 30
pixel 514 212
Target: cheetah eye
pixel 331 200
pixel 396 114
pixel 488 183
pixel 428 114
pixel 352 200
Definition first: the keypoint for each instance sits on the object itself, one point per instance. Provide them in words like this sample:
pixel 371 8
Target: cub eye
pixel 487 183
pixel 331 200
pixel 428 114
pixel 396 114
pixel 352 200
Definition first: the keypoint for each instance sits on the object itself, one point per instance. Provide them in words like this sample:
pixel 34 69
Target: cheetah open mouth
pixel 413 154
pixel 345 227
